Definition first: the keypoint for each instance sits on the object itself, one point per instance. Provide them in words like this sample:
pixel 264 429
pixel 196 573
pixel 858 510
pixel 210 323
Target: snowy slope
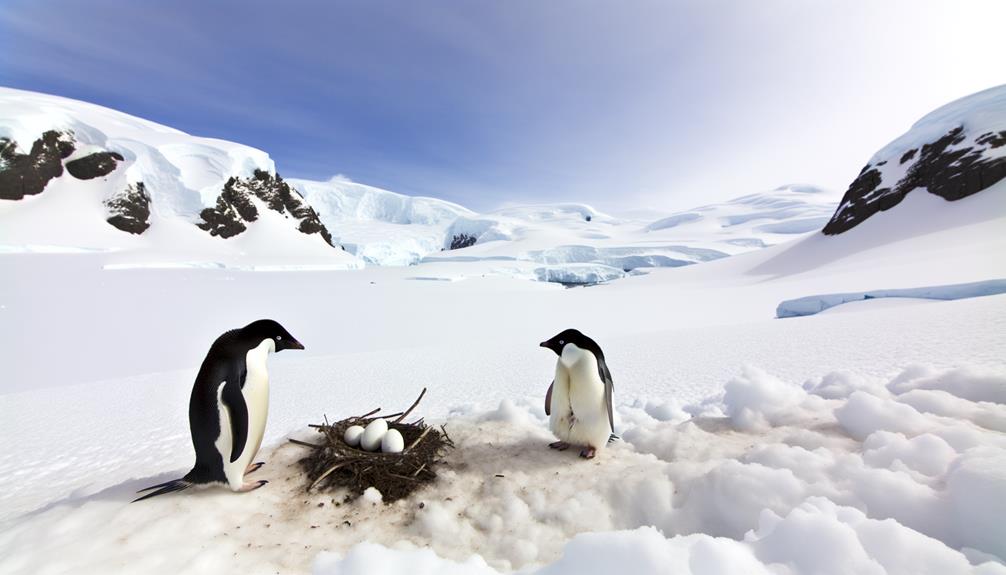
pixel 767 218
pixel 182 176
pixel 379 226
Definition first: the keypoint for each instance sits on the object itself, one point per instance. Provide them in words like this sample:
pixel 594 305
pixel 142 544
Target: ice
pixel 809 305
pixel 578 274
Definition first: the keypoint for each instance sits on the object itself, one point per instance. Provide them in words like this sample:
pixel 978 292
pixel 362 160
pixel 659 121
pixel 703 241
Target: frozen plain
pixel 841 442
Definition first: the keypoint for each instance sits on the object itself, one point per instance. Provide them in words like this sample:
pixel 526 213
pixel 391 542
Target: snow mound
pixel 810 305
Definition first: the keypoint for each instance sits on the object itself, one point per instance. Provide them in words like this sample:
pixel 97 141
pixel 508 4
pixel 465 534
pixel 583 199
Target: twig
pixel 317 425
pixel 329 472
pixel 390 415
pixel 418 471
pixel 368 414
pixel 409 410
pixel 305 443
pixel 418 439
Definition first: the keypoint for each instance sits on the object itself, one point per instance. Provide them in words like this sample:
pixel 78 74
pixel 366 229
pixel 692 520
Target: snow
pixel 867 442
pixel 185 174
pixel 981 112
pixel 978 114
pixel 379 226
pixel 810 305
pixel 707 492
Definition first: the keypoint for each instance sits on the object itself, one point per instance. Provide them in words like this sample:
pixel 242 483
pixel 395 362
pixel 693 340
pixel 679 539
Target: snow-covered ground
pixel 857 442
pixel 865 442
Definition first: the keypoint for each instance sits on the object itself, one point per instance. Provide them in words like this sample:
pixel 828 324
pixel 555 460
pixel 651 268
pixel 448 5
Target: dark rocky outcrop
pixel 27 174
pixel 222 220
pixel 944 167
pixel 234 207
pixel 462 241
pixel 129 210
pixel 96 165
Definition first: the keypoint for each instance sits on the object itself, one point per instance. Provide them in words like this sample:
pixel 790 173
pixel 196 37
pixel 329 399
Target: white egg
pixel 393 442
pixel 372 436
pixel 352 435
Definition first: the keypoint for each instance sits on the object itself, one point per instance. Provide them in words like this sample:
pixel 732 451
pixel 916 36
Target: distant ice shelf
pixel 813 304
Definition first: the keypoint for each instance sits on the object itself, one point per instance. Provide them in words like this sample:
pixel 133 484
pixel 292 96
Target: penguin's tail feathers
pixel 163 488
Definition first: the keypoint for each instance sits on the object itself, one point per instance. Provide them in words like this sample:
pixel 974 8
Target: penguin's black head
pixel 568 336
pixel 268 329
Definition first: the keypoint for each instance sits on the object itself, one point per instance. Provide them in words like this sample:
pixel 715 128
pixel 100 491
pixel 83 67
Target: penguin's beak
pixel 543 344
pixel 294 344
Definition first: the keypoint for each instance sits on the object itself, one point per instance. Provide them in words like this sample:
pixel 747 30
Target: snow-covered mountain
pixel 79 177
pixel 75 177
pixel 953 152
pixel 149 194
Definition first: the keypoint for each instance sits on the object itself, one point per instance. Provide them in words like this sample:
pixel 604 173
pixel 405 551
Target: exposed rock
pixel 462 241
pixel 94 165
pixel 27 174
pixel 235 206
pixel 129 210
pixel 992 139
pixel 944 167
pixel 224 219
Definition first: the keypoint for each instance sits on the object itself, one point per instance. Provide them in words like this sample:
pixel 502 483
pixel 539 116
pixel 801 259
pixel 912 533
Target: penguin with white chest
pixel 578 402
pixel 229 406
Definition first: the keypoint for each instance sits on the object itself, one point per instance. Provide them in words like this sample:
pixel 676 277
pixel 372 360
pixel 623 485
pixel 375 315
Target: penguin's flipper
pixel 548 399
pixel 234 400
pixel 169 487
pixel 609 386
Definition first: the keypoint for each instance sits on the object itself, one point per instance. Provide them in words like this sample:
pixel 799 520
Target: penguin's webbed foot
pixel 252 486
pixel 253 467
pixel 560 445
pixel 588 452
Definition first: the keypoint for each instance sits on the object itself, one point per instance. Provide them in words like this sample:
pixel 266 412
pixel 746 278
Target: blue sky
pixel 618 104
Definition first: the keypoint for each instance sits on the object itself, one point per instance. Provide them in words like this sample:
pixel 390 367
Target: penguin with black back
pixel 578 402
pixel 229 406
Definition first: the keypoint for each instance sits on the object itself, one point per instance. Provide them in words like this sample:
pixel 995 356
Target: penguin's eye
pixel 562 342
pixel 279 337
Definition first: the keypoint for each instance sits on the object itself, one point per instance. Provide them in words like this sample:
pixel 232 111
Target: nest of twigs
pixel 332 464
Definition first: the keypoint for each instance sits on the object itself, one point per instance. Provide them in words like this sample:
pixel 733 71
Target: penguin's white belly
pixel 579 413
pixel 256 396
